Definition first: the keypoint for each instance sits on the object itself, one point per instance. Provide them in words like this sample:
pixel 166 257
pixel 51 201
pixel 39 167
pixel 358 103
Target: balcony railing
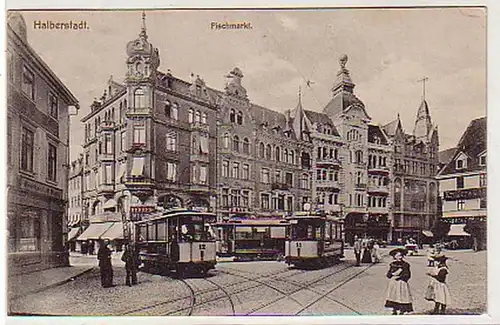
pixel 378 189
pixel 360 186
pixel 280 186
pixel 329 161
pixel 199 188
pixel 107 126
pixel 200 157
pixel 378 169
pixel 197 126
pixel 329 184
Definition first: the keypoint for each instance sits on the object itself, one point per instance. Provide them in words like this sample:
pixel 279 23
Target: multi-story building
pixel 149 143
pixel 264 156
pixel 38 108
pixel 463 180
pixel 76 223
pixel 414 186
pixel 365 157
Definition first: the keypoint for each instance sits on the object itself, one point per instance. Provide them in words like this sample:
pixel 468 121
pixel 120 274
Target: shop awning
pixel 114 232
pixel 457 230
pixel 110 204
pixel 137 166
pixel 95 231
pixel 427 233
pixel 72 233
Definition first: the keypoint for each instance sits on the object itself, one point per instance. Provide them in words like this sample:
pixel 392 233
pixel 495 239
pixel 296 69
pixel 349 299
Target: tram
pixel 251 239
pixel 315 240
pixel 177 240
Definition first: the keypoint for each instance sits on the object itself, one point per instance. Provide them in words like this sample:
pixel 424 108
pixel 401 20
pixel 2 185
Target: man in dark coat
pixel 131 259
pixel 104 257
pixel 357 249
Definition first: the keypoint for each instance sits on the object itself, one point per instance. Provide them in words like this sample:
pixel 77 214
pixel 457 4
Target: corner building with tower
pixel 156 141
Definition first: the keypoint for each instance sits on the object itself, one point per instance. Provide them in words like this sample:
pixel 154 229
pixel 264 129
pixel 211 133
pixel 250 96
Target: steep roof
pixel 391 127
pixel 446 155
pixel 323 119
pixel 472 143
pixel 374 132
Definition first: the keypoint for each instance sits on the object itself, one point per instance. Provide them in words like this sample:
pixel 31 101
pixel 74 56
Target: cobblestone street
pixel 259 288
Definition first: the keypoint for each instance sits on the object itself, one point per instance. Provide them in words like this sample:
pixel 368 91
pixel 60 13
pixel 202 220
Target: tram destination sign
pixel 472 193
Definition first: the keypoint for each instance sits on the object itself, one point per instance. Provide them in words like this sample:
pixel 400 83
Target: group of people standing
pixel 130 257
pixel 366 250
pixel 399 296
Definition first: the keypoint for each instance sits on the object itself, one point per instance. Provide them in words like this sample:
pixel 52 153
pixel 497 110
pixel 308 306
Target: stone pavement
pixel 24 284
pixel 467 283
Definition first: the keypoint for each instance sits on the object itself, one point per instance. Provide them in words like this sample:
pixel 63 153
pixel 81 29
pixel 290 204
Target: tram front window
pixel 195 232
pixel 306 231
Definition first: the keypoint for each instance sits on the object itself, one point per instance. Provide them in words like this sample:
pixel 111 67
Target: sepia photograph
pixel 247 162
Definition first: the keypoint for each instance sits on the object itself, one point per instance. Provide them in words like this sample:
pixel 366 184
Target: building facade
pixel 38 108
pixel 415 189
pixel 149 144
pixel 77 221
pixel 156 141
pixel 463 179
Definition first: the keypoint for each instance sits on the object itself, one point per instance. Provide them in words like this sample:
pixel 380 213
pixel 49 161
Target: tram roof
pixel 177 213
pixel 254 222
pixel 317 216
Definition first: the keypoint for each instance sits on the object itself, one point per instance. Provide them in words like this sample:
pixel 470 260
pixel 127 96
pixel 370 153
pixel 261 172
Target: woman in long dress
pixel 375 252
pixel 441 295
pixel 398 292
pixel 367 255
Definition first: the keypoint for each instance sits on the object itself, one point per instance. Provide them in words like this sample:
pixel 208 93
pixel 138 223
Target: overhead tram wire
pixel 321 105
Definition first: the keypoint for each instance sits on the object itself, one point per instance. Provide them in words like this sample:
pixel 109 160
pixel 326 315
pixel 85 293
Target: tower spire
pixel 300 93
pixel 143 33
pixel 423 80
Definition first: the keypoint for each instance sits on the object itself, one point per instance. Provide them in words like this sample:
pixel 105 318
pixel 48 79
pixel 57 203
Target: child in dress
pixel 398 292
pixel 441 296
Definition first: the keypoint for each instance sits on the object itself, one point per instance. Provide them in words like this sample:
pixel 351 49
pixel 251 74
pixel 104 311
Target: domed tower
pixel 142 63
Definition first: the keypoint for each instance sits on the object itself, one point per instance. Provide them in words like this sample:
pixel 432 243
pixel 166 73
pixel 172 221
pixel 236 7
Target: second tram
pixel 315 240
pixel 251 239
pixel 177 240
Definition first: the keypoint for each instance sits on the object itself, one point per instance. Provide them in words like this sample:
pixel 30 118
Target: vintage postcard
pixel 247 162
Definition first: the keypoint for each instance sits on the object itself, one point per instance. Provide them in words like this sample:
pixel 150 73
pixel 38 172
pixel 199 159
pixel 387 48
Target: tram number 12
pixel 202 246
pixel 298 245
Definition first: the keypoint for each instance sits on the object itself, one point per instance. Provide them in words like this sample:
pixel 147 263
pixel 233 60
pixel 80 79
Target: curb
pixel 53 285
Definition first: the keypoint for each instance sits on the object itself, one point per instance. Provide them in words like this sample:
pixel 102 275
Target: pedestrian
pixel 130 258
pixel 104 257
pixel 398 292
pixel 430 255
pixel 357 249
pixel 441 294
pixel 376 252
pixel 367 255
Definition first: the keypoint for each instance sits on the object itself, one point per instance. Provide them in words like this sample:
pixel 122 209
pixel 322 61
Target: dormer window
pixel 461 161
pixel 482 160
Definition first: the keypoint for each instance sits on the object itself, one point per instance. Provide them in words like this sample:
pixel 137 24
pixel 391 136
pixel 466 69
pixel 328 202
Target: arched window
pixel 262 150
pixel 305 160
pixel 268 152
pixel 240 118
pixel 232 116
pixel 292 157
pixel 359 157
pixel 204 118
pixel 246 146
pixel 225 141
pixel 304 182
pixel 168 109
pixel 278 153
pixel 191 115
pixel 285 156
pixel 236 143
pixel 197 117
pixel 139 98
pixel 120 109
pixel 174 114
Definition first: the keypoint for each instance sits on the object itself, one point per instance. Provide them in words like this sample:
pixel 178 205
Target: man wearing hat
pixel 398 292
pixel 441 295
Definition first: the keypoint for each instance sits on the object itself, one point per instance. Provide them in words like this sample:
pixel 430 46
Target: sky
pixel 389 51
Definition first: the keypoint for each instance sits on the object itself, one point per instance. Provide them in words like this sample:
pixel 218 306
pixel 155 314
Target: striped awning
pixel 114 232
pixel 457 230
pixel 73 233
pixel 95 231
